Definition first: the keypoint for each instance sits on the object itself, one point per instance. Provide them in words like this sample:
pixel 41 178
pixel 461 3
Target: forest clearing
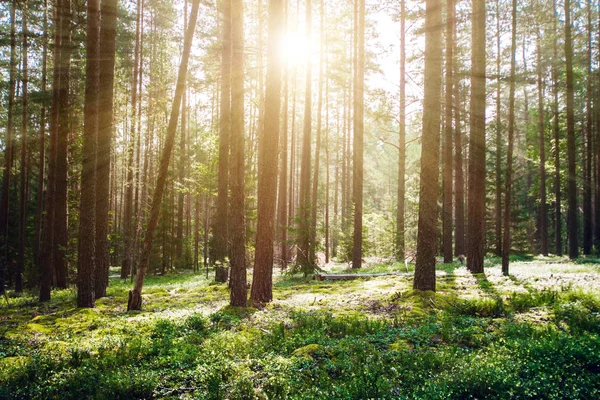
pixel 531 335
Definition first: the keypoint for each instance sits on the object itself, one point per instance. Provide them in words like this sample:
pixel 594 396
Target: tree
pixel 430 150
pixel 87 217
pixel 509 152
pixel 556 135
pixel 262 280
pixel 587 178
pixel 359 128
pixel 543 228
pixel 400 217
pixel 448 133
pixel 571 166
pixel 238 293
pixel 135 295
pixel 220 230
pixel 304 224
pixel 476 182
pixel 108 35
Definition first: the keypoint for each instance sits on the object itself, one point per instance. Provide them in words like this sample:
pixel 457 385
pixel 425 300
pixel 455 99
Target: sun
pixel 293 48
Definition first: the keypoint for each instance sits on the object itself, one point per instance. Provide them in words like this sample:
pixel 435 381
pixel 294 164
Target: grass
pixel 534 334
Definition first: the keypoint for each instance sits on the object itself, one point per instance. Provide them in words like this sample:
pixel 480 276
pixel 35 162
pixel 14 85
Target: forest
pixel 300 199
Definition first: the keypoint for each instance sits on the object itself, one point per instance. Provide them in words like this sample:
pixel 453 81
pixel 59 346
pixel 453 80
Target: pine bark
pixel 87 216
pixel 476 182
pixel 448 136
pixel 587 182
pixel 543 227
pixel 430 151
pixel 556 135
pixel 400 217
pixel 262 280
pixel 571 147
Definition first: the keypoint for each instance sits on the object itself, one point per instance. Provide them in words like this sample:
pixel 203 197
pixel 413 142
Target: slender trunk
pixel 135 295
pixel 182 166
pixel 400 241
pixel 262 280
pixel 498 136
pixel 556 134
pixel 571 150
pixel 509 152
pixel 587 184
pixel 447 150
pixel 359 111
pixel 543 228
pixel 238 294
pixel 87 217
pixel 108 34
pixel 459 181
pixel 24 166
pixel 476 184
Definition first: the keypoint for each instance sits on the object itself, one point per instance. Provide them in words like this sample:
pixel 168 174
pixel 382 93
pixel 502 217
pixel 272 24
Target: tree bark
pixel 359 112
pixel 543 228
pixel 587 182
pixel 430 152
pixel 400 218
pixel 447 143
pixel 476 183
pixel 498 209
pixel 262 280
pixel 87 216
pixel 571 150
pixel 556 134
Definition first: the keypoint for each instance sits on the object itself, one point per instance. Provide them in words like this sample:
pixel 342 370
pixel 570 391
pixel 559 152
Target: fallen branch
pixel 347 277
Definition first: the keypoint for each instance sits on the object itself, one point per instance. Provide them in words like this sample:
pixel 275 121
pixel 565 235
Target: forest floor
pixel 533 334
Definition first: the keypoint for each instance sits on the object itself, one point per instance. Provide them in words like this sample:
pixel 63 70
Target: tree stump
pixel 221 274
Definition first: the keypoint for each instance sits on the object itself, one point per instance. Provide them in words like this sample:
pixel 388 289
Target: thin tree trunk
pixel 135 295
pixel 498 136
pixel 238 293
pixel 108 34
pixel 476 184
pixel 587 184
pixel 262 280
pixel 182 165
pixel 447 150
pixel 24 164
pixel 556 134
pixel 400 218
pixel 571 150
pixel 359 112
pixel 543 207
pixel 509 152
pixel 430 153
pixel 87 218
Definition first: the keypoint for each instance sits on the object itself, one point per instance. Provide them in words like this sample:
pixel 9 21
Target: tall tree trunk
pixel 459 181
pixel 476 184
pixel 306 264
pixel 128 212
pixel 430 151
pixel 87 217
pixel 182 165
pixel 268 145
pixel 108 34
pixel 571 150
pixel 37 251
pixel 359 112
pixel 24 166
pixel 135 295
pixel 282 214
pixel 8 156
pixel 543 228
pixel 587 184
pixel 64 119
pixel 556 134
pixel 220 229
pixel 238 294
pixel 400 241
pixel 511 135
pixel 498 135
pixel 315 182
pixel 47 257
pixel 447 143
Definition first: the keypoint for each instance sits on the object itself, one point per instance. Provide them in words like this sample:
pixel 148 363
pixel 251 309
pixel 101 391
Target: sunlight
pixel 294 48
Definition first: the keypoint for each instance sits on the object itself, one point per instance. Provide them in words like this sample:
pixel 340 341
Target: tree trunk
pixel 304 224
pixel 359 112
pixel 24 166
pixel 430 151
pixel 571 150
pixel 182 166
pixel 511 135
pixel 556 134
pixel 238 295
pixel 498 135
pixel 400 241
pixel 476 184
pixel 543 228
pixel 87 217
pixel 262 280
pixel 220 230
pixel 587 183
pixel 447 150
pixel 135 295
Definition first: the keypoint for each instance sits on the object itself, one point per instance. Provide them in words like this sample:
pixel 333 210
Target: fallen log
pixel 348 277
